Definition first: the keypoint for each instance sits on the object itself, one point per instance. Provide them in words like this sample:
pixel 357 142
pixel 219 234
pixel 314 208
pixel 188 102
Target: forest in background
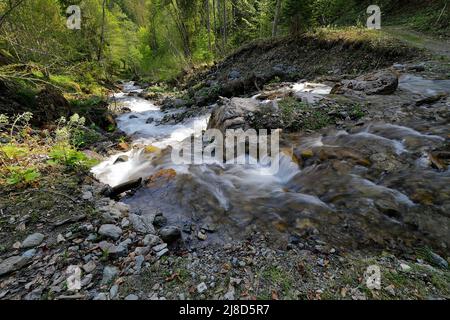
pixel 155 40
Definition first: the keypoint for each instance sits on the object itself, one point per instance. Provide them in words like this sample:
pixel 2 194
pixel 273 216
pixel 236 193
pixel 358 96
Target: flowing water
pixel 367 185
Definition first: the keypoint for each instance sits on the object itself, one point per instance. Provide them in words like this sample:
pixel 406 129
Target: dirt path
pixel 439 47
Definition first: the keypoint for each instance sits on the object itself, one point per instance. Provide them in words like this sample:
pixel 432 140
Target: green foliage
pixel 66 155
pixel 20 175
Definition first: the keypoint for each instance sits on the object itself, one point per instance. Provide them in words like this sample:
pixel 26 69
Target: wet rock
pixel 150 120
pixel 33 240
pixel 416 68
pixel 170 234
pixel 142 224
pixel 12 264
pixel 133 117
pixel 380 82
pixel 232 114
pixel 159 221
pixel 121 159
pixel 109 274
pixel 110 231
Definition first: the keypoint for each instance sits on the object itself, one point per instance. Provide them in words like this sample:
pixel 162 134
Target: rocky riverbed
pixel 364 181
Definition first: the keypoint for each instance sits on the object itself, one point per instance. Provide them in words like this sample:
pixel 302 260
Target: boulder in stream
pixel 382 82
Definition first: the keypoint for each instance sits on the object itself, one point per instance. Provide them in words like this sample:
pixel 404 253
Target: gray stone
pixel 160 247
pixel 29 253
pixel 113 291
pixel 87 196
pixel 89 267
pixel 101 296
pixel 131 297
pixel 33 240
pixel 138 263
pixel 109 274
pixel 151 240
pixel 202 287
pixel 379 82
pixel 142 224
pixel 110 231
pixel 170 234
pixel 12 264
pixel 162 253
pixel 438 261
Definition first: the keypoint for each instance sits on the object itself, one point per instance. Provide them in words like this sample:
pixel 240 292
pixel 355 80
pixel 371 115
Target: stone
pixel 390 289
pixel 438 261
pixel 202 287
pixel 160 247
pixel 121 159
pixel 89 267
pixel 234 74
pixel 160 221
pixel 113 291
pixel 405 268
pixel 33 240
pixel 110 231
pixel 162 253
pixel 125 223
pixel 151 240
pixel 138 263
pixel 170 234
pixel 109 274
pixel 131 297
pixel 12 264
pixel 142 224
pixel 87 196
pixel 380 82
pixel 29 253
pixel 202 235
pixel 60 238
pixel 150 120
pixel 101 296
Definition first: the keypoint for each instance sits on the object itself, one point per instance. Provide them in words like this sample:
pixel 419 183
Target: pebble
pixel 101 296
pixel 202 287
pixel 160 247
pixel 29 253
pixel 151 240
pixel 131 297
pixel 202 235
pixel 113 291
pixel 162 253
pixel 110 231
pixel 89 267
pixel 142 224
pixel 33 240
pixel 87 196
pixel 109 273
pixel 60 238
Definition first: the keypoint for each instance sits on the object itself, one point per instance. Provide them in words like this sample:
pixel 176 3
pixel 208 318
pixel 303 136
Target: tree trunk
pixel 276 19
pixel 208 22
pixel 102 34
